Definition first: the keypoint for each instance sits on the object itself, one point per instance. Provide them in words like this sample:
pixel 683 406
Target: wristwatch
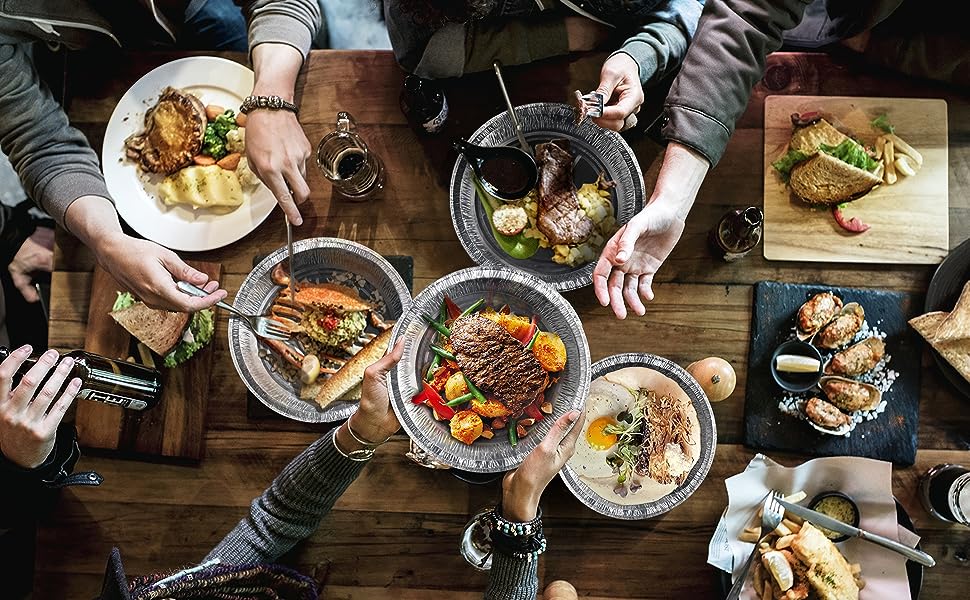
pixel 270 102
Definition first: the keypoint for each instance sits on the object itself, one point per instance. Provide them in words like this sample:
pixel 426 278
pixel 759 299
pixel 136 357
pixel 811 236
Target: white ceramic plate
pixel 214 81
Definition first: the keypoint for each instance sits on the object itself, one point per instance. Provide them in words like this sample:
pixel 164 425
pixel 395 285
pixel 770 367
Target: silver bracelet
pixel 251 103
pixel 362 455
pixel 362 441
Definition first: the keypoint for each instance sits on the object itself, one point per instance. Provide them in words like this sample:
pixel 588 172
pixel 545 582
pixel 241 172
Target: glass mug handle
pixel 345 122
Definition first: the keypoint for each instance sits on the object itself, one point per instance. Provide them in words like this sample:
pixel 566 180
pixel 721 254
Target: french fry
pixel 905 165
pixel 905 148
pixel 877 148
pixel 888 158
pixel 784 542
pixel 796 497
pixel 791 525
pixel 880 170
pixel 782 530
pixel 750 537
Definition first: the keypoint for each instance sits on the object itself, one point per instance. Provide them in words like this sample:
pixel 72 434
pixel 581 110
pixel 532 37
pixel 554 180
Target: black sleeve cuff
pixel 58 466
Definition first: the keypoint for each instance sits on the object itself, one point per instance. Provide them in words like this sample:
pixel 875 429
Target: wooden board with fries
pixel 907 215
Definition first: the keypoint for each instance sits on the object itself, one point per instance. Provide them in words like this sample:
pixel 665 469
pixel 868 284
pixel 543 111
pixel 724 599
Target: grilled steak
pixel 173 134
pixel 559 216
pixel 497 363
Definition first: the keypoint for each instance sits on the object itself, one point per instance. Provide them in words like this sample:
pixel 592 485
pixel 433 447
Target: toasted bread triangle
pixel 160 330
pixel 824 179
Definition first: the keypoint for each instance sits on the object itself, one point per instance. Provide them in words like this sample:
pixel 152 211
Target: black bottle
pixel 424 104
pixel 124 384
pixel 737 233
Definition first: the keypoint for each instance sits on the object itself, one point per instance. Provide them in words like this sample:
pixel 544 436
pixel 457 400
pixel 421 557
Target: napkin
pixel 867 481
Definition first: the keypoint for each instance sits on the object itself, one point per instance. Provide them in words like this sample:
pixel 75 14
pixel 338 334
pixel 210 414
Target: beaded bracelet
pixel 520 540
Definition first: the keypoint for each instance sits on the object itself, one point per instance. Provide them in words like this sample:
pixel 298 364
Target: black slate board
pixel 403 264
pixel 891 436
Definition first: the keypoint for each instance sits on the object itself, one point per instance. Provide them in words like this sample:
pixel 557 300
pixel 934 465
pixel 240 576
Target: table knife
pixel 289 258
pixel 839 527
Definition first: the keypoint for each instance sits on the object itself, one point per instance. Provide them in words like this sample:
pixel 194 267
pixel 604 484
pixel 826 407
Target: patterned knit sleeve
pixel 512 578
pixel 292 507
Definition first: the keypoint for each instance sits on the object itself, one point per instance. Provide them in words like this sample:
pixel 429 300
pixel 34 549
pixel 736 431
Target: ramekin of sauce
pixel 838 506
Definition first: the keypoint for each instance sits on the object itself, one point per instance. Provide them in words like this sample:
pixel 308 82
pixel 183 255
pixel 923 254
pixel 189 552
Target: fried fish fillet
pixel 174 130
pixel 341 298
pixel 827 570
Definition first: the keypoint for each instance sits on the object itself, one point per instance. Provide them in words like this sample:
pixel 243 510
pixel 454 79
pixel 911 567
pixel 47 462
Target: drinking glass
pixel 343 157
pixel 476 541
pixel 945 493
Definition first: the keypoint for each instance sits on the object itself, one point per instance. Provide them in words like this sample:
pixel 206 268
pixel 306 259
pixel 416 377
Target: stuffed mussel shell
pixel 857 359
pixel 843 328
pixel 826 417
pixel 850 395
pixel 816 313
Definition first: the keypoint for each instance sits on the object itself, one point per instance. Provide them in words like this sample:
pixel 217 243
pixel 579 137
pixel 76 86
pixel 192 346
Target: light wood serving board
pixel 175 428
pixel 909 220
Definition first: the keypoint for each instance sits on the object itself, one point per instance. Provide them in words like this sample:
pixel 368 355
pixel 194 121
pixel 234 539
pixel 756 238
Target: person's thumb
pixel 180 270
pixel 387 362
pixel 628 238
pixel 25 285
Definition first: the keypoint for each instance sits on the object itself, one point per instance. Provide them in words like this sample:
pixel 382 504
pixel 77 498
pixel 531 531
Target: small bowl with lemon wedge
pixel 796 366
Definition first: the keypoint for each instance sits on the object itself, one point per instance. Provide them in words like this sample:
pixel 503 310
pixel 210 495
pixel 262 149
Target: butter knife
pixel 289 258
pixel 837 526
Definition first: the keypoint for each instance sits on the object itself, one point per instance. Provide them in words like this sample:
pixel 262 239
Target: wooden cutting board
pixel 909 220
pixel 176 426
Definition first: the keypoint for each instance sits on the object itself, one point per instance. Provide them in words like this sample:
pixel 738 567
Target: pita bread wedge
pixel 956 325
pixel 956 352
pixel 352 373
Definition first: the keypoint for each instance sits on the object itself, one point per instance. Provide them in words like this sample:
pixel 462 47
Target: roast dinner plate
pixel 317 260
pixel 525 295
pixel 596 151
pixel 942 294
pixel 587 474
pixel 214 81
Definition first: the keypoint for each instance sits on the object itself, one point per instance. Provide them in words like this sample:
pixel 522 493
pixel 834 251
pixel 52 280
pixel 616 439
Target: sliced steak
pixel 559 216
pixel 496 362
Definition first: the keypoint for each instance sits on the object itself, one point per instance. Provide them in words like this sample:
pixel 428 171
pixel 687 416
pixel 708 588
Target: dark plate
pixel 942 294
pixel 914 570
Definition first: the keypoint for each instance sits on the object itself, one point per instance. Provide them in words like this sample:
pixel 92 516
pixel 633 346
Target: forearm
pixel 680 178
pixel 722 65
pixel 292 507
pixel 94 221
pixel 276 67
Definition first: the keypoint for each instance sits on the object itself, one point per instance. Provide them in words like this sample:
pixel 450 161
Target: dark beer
pixel 424 104
pixel 945 492
pixel 124 384
pixel 737 233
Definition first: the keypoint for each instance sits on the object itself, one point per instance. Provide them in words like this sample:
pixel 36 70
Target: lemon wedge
pixel 778 566
pixel 794 363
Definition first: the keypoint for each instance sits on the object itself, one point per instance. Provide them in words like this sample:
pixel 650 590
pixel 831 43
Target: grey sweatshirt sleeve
pixel 55 163
pixel 292 507
pixel 659 46
pixel 291 22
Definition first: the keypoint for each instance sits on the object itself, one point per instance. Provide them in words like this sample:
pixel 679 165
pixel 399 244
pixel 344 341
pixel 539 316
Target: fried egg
pixel 605 401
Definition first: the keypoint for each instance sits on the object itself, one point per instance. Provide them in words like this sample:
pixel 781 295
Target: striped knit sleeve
pixel 292 507
pixel 512 578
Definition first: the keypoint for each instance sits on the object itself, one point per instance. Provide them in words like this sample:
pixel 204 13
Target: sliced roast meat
pixel 497 363
pixel 559 216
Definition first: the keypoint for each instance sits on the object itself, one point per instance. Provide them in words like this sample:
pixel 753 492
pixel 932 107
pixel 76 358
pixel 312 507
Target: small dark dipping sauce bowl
pixel 796 382
pixel 838 506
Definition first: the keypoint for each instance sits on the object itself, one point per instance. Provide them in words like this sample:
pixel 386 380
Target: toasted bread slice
pixel 352 373
pixel 160 330
pixel 331 295
pixel 174 130
pixel 956 326
pixel 824 179
pixel 808 139
pixel 956 352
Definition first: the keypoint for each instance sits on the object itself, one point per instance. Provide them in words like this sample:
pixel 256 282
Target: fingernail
pixel 67 363
pixel 25 349
pixel 50 355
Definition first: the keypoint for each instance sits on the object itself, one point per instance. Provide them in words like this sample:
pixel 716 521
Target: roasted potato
pixel 441 376
pixel 466 426
pixel 550 351
pixel 517 325
pixel 455 386
pixel 491 408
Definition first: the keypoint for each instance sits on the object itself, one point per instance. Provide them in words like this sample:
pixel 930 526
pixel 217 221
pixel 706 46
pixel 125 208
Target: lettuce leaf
pixel 784 164
pixel 123 301
pixel 202 327
pixel 851 152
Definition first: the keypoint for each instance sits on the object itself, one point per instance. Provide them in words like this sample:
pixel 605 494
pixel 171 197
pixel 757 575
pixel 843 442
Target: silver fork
pixel 771 515
pixel 590 105
pixel 262 326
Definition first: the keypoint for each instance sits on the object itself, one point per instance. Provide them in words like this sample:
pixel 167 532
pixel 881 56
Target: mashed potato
pixel 202 187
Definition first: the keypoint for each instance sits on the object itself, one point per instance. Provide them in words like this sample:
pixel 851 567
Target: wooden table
pixel 395 532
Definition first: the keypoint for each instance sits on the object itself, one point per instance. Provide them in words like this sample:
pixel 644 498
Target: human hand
pixel 375 421
pixel 28 418
pixel 522 488
pixel 277 151
pixel 36 254
pixel 149 272
pixel 633 256
pixel 620 85
pixel 584 35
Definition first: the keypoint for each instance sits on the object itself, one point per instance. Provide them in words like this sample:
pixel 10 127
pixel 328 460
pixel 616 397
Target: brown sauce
pixel 505 173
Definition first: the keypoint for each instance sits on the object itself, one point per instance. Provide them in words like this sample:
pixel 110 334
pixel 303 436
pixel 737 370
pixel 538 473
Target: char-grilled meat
pixel 497 363
pixel 174 130
pixel 559 216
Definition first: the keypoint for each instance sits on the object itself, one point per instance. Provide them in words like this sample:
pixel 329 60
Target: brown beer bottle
pixel 737 233
pixel 124 384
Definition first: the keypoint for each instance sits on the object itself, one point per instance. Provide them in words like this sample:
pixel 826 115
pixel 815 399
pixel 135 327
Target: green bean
pixel 443 353
pixel 474 390
pixel 532 342
pixel 472 308
pixel 513 434
pixel 460 400
pixel 437 326
pixel 435 363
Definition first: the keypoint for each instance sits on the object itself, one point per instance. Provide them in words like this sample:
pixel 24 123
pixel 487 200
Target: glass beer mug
pixel 343 157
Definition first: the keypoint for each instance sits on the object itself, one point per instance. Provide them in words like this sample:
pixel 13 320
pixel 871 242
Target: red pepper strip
pixel 453 309
pixel 531 331
pixel 853 225
pixel 533 412
pixel 430 395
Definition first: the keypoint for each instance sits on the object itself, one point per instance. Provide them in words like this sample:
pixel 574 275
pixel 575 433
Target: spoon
pixel 505 172
pixel 508 105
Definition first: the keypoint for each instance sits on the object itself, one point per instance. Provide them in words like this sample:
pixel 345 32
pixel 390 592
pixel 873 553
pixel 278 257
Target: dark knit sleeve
pixel 512 578
pixel 292 507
